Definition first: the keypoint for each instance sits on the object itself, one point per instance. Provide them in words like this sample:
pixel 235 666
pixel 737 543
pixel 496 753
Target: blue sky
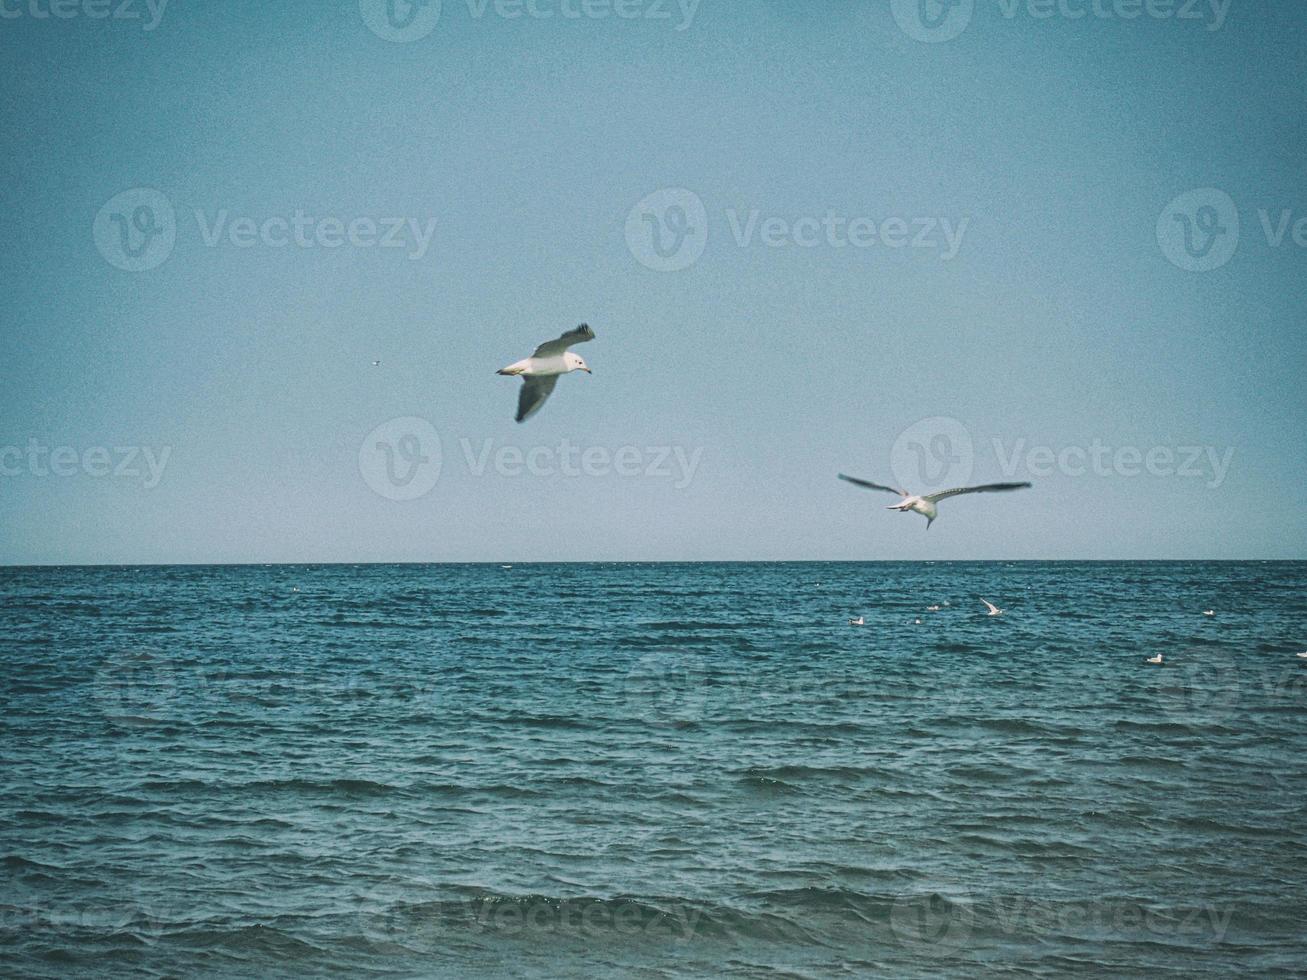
pixel 957 259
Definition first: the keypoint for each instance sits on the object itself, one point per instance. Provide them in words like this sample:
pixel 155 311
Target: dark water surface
pixel 654 770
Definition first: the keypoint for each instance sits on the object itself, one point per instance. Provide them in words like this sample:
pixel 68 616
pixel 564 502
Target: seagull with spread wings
pixel 925 503
pixel 540 371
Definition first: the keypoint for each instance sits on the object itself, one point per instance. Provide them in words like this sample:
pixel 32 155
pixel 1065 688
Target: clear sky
pixel 1055 242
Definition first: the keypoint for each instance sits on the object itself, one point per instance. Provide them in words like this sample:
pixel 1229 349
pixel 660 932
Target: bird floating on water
pixel 540 371
pixel 1209 612
pixel 1156 659
pixel 993 609
pixel 932 609
pixel 924 504
pixel 857 622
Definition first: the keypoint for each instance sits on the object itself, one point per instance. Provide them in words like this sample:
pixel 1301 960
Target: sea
pixel 654 770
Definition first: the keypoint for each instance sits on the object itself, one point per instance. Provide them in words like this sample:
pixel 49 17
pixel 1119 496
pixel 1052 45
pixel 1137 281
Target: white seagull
pixel 1303 655
pixel 1157 659
pixel 993 609
pixel 1209 612
pixel 857 622
pixel 540 371
pixel 932 609
pixel 925 503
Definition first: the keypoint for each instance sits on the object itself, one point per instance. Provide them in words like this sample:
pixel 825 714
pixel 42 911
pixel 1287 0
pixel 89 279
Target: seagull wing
pixel 990 606
pixel 873 486
pixel 533 394
pixel 985 488
pixel 553 348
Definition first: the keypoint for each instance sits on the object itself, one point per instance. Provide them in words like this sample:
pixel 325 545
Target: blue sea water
pixel 654 770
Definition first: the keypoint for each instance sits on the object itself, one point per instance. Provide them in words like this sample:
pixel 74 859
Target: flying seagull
pixel 925 504
pixel 993 609
pixel 540 371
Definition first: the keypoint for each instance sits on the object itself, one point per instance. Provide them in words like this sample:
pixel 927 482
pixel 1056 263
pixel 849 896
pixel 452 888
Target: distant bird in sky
pixel 376 363
pixel 1155 659
pixel 857 622
pixel 993 609
pixel 925 503
pixel 540 371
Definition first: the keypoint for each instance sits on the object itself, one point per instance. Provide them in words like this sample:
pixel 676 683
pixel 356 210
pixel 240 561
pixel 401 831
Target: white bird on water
pixel 925 503
pixel 540 371
pixel 1209 612
pixel 1303 655
pixel 993 609
pixel 1156 659
pixel 857 622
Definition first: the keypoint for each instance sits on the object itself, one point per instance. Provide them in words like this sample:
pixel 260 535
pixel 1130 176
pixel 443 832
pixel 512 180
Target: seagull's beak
pixel 587 370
